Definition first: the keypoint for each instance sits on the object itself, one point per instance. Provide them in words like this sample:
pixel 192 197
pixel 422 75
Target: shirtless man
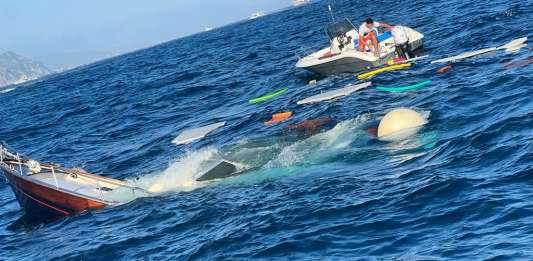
pixel 367 32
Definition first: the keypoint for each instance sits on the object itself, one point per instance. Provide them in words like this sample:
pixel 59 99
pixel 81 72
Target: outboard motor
pixel 401 40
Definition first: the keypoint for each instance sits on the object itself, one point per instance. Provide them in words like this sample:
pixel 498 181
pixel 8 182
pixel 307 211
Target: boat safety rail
pixel 8 159
pixel 305 51
pixel 98 180
pixel 6 155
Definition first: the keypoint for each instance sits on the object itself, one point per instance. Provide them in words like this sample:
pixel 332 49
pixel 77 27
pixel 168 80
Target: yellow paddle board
pixel 383 69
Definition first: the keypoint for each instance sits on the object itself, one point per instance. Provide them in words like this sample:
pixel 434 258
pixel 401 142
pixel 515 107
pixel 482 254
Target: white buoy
pixel 399 124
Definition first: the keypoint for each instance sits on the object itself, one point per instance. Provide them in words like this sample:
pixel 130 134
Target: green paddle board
pixel 419 85
pixel 268 96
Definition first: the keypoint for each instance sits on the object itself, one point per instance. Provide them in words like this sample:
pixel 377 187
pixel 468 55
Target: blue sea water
pixel 459 189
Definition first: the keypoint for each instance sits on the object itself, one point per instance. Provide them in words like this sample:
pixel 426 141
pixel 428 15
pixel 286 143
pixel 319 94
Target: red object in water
pixel 279 117
pixel 445 69
pixel 373 131
pixel 397 60
pixel 309 126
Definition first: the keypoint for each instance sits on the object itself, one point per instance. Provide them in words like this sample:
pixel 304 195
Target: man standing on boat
pixel 368 35
pixel 401 41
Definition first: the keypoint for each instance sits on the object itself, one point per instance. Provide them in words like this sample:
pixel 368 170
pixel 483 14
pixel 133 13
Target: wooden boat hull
pixel 40 199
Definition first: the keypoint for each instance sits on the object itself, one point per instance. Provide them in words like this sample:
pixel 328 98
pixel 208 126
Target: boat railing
pixel 305 51
pixel 6 156
pixel 98 180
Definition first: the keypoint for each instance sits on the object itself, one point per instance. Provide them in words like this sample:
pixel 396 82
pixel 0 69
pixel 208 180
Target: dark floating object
pixel 220 170
pixel 373 131
pixel 520 63
pixel 309 126
pixel 445 69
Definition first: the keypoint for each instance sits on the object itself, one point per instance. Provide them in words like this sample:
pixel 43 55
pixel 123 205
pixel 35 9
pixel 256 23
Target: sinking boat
pixel 52 190
pixel 343 56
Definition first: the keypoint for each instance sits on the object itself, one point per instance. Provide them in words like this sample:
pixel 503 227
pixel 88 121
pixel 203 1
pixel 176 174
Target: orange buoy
pixel 445 69
pixel 278 117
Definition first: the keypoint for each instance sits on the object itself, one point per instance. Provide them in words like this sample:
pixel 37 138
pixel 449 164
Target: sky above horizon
pixel 64 33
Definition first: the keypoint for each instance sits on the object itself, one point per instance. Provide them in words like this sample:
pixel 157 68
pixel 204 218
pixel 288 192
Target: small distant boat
pixel 207 29
pixel 257 15
pixel 299 2
pixel 52 190
pixel 6 90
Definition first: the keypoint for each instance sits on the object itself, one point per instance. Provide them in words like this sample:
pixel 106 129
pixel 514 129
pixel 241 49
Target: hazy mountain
pixel 16 69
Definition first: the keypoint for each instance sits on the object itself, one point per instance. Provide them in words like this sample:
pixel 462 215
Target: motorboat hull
pixel 343 65
pixel 40 199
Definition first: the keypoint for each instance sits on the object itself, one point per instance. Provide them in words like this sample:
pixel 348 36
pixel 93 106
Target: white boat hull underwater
pixel 346 58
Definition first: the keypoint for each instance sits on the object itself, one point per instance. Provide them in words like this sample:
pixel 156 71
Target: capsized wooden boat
pixel 48 189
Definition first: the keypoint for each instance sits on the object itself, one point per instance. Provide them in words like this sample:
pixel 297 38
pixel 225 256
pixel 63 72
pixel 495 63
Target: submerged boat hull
pixel 41 199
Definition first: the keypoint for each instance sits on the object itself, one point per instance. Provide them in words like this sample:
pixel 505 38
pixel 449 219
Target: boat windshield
pixel 338 28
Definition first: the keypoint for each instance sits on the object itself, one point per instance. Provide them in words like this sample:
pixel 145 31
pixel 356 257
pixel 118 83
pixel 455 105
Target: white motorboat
pixel 343 56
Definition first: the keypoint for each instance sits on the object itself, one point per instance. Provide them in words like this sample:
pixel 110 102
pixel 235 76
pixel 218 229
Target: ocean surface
pixel 462 188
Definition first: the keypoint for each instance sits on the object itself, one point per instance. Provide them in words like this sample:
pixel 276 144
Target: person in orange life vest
pixel 367 32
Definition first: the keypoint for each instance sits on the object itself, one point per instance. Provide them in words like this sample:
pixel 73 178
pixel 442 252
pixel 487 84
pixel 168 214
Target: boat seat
pixel 382 37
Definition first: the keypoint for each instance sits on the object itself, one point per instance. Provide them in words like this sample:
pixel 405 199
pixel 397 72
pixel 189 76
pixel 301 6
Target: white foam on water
pixel 180 175
pixel 314 147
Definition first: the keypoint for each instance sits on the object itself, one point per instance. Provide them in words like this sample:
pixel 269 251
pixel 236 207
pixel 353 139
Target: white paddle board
pixel 465 55
pixel 335 93
pixel 511 46
pixel 514 49
pixel 416 59
pixel 191 135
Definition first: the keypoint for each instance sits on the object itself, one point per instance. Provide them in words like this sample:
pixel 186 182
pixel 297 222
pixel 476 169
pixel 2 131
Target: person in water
pixel 368 35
